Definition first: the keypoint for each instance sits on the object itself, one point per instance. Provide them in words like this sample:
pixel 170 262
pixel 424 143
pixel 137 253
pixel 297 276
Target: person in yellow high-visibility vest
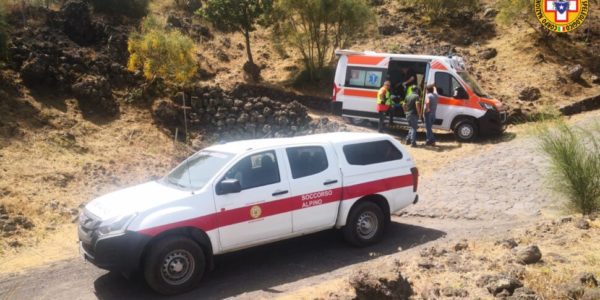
pixel 384 101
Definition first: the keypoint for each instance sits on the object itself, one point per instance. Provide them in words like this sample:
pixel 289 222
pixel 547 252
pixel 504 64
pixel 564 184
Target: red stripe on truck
pixel 242 214
pixel 365 60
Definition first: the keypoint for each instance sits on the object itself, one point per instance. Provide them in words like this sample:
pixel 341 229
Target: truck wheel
pixel 365 224
pixel 466 130
pixel 174 265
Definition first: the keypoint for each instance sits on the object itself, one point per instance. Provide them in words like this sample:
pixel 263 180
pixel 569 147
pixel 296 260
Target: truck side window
pixel 446 84
pixel 371 153
pixel 307 161
pixel 256 170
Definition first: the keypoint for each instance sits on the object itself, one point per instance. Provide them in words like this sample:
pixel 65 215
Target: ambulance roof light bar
pixel 341 52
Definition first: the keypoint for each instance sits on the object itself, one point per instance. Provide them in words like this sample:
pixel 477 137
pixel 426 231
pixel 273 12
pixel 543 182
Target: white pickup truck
pixel 242 194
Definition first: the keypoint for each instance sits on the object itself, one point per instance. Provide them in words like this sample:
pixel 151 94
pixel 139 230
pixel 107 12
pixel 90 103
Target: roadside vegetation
pixel 438 10
pixel 162 52
pixel 574 155
pixel 239 16
pixel 315 28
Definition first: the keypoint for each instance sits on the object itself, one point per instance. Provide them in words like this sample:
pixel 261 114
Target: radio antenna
pixel 187 161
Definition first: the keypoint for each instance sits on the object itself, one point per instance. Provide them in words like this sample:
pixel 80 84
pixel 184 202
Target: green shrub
pixel 315 28
pixel 574 155
pixel 130 8
pixel 511 11
pixel 437 10
pixel 159 52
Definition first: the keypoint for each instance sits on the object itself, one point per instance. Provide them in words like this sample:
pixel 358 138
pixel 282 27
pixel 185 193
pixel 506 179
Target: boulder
pixel 575 72
pixel 490 12
pixel 583 224
pixel 462 245
pixel 507 243
pixel 35 70
pixel 530 94
pixel 488 53
pixel 497 284
pixel 78 23
pixel 524 293
pixel 529 255
pixel 369 286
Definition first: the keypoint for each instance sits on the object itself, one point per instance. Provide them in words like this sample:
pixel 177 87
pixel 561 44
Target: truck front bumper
pixel 119 253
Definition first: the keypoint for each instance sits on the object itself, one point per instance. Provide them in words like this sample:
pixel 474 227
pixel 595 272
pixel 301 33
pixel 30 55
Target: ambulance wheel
pixel 466 130
pixel 365 224
pixel 174 265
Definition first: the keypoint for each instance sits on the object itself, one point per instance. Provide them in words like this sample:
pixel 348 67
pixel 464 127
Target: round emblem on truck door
pixel 255 212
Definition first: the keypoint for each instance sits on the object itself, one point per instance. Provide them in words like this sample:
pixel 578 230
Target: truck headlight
pixel 487 106
pixel 115 226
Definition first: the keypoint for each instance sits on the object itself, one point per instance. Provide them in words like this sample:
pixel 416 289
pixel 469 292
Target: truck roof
pixel 333 138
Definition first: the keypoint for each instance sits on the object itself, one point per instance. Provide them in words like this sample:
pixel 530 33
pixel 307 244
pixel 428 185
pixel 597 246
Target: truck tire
pixel 174 265
pixel 365 224
pixel 466 130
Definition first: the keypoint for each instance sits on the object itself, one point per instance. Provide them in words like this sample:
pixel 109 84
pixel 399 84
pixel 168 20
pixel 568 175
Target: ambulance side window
pixel 446 84
pixel 366 78
pixel 307 161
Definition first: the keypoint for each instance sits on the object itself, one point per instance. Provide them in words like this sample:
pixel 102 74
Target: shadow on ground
pixel 266 267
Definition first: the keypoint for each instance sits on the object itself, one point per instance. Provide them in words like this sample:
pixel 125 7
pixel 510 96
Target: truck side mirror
pixel 460 93
pixel 229 186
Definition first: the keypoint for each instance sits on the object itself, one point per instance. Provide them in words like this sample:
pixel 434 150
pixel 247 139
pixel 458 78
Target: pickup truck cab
pixel 237 195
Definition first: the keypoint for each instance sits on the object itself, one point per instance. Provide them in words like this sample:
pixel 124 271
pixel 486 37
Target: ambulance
pixel 242 194
pixel 463 107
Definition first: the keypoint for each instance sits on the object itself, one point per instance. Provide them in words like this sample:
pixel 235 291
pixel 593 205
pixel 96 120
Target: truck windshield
pixel 473 84
pixel 197 170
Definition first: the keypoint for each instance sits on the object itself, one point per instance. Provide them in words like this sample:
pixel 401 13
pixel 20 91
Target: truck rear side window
pixel 307 161
pixel 371 153
pixel 366 78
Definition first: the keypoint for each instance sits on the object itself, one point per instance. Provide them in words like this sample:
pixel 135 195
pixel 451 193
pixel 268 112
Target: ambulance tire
pixel 365 224
pixel 174 265
pixel 466 130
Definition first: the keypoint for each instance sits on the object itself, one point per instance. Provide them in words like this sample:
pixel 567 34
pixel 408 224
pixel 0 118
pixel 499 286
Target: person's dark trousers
pixel 392 112
pixel 429 119
pixel 381 120
pixel 413 122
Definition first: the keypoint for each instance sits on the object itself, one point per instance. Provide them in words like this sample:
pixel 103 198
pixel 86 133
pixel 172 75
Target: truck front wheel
pixel 365 224
pixel 174 265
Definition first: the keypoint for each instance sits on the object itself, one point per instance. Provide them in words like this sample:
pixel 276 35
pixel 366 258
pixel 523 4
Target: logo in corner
pixel 255 212
pixel 561 15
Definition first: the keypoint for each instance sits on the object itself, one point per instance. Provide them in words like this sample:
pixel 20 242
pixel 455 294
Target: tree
pixel 237 15
pixel 438 10
pixel 159 52
pixel 317 27
pixel 521 10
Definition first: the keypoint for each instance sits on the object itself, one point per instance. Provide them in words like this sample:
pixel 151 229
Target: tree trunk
pixel 248 50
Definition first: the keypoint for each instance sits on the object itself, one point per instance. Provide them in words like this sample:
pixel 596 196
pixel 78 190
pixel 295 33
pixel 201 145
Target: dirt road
pixel 484 190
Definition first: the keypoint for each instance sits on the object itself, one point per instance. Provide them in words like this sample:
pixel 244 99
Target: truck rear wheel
pixel 365 224
pixel 174 265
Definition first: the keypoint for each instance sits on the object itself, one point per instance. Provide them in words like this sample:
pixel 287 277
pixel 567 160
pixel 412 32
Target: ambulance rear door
pixel 364 76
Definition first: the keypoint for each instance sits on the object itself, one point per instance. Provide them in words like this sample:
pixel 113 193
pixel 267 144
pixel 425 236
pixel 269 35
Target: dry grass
pixel 460 270
pixel 49 172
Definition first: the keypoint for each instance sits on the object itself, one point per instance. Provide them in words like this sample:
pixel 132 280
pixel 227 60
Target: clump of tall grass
pixel 574 155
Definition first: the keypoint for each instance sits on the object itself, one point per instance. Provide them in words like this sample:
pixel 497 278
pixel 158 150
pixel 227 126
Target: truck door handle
pixel 328 182
pixel 278 193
